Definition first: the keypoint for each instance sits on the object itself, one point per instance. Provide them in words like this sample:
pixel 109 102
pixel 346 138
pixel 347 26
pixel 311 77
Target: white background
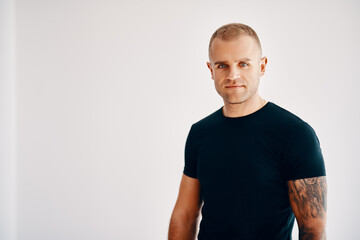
pixel 97 98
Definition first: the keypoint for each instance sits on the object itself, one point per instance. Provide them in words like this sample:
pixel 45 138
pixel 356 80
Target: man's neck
pixel 244 108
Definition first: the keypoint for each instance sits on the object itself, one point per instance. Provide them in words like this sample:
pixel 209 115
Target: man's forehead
pixel 245 59
pixel 241 43
pixel 242 47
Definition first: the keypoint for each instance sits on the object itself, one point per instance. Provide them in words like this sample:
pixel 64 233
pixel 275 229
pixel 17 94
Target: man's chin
pixel 236 101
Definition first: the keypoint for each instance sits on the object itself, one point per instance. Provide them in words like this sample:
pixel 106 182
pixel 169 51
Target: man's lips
pixel 235 86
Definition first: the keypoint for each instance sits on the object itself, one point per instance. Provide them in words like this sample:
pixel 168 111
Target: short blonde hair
pixel 232 31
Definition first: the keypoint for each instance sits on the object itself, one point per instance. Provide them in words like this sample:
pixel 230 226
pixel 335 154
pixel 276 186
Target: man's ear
pixel 263 66
pixel 211 70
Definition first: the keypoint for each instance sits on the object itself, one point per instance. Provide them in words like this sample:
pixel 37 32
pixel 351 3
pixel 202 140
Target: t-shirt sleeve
pixel 303 157
pixel 190 155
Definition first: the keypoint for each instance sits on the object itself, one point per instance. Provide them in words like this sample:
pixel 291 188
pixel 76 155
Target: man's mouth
pixel 235 86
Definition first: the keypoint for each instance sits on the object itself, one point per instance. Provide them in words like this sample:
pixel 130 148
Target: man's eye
pixel 244 64
pixel 222 66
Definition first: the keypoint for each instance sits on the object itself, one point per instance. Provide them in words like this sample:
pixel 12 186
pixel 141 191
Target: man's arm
pixel 308 201
pixel 185 215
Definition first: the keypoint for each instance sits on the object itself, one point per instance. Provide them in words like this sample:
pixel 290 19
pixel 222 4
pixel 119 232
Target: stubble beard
pixel 239 98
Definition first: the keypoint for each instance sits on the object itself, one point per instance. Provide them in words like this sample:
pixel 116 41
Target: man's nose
pixel 234 73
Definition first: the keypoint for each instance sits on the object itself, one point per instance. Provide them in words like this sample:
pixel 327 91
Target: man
pixel 251 166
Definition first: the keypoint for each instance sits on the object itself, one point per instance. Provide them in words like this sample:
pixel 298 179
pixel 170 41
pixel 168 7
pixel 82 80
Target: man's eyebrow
pixel 240 60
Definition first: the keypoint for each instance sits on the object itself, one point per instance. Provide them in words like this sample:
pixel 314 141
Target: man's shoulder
pixel 287 120
pixel 208 121
pixel 283 114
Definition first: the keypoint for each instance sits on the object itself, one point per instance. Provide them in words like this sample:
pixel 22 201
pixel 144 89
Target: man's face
pixel 236 67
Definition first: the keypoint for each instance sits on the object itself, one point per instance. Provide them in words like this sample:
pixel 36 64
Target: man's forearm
pixel 310 234
pixel 182 229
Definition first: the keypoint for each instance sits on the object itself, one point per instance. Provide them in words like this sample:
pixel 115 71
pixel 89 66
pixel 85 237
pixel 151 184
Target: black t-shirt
pixel 243 164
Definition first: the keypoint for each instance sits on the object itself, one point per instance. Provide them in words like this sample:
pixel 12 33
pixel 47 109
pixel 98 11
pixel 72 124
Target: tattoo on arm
pixel 308 199
pixel 309 194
